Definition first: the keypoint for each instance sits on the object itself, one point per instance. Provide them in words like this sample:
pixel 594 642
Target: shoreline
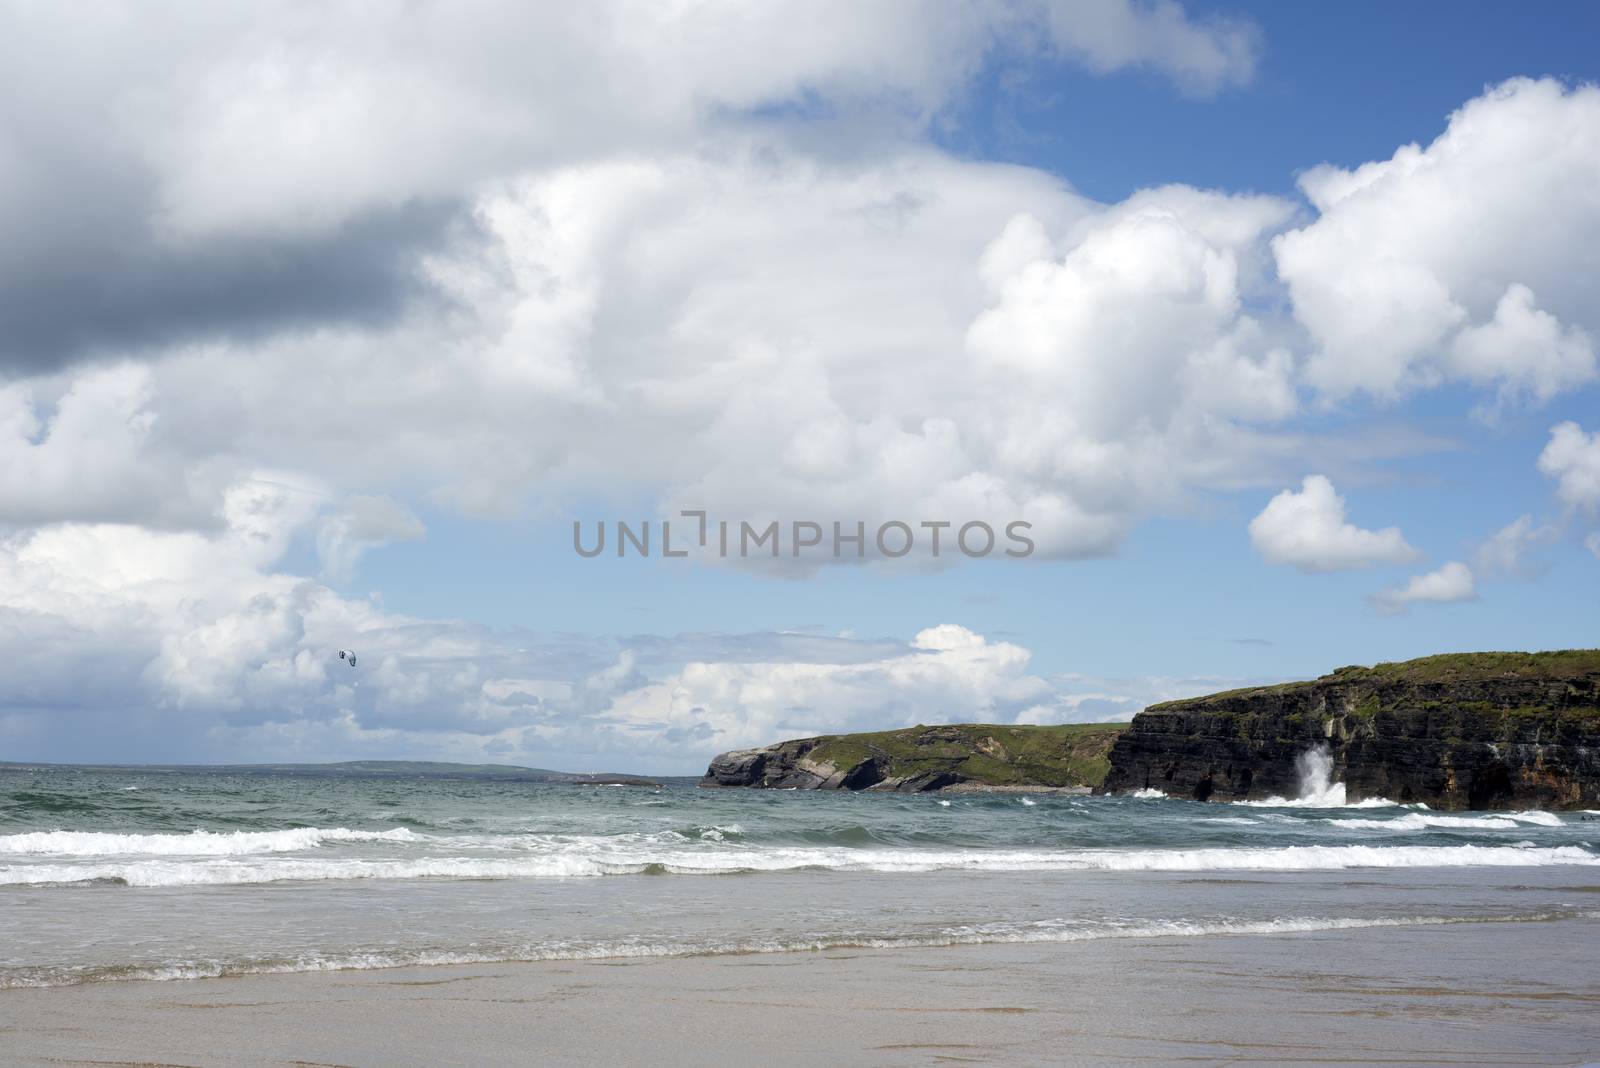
pixel 1369 996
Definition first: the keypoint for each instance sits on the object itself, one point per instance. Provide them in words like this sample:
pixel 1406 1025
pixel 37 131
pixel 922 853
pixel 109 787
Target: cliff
pixel 1461 731
pixel 926 758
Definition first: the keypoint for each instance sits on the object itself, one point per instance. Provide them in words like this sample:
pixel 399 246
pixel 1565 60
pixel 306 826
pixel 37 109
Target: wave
pixel 592 862
pixel 1421 821
pixel 1047 931
pixel 1331 799
pixel 195 843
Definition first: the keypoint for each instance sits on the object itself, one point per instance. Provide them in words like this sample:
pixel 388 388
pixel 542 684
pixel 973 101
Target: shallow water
pixel 107 875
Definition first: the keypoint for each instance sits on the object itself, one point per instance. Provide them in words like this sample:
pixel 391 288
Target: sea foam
pixel 193 844
pixel 1421 821
pixel 591 862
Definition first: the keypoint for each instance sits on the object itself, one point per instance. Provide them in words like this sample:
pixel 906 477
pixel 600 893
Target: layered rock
pixel 1461 731
pixel 919 759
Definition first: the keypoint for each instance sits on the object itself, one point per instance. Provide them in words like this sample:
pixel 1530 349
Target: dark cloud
pixel 102 282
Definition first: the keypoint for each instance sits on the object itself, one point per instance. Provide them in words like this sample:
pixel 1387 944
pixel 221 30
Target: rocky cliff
pixel 1477 730
pixel 916 759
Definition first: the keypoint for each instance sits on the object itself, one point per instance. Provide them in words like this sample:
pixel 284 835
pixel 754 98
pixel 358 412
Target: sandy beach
pixel 1478 995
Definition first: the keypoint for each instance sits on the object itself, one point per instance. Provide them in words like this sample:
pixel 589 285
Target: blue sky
pixel 324 351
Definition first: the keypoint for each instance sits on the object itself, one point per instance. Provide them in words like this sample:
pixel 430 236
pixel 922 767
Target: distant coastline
pixel 376 769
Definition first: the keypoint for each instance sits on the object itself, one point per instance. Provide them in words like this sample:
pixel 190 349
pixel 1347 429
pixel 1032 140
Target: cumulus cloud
pixel 1451 583
pixel 110 625
pixel 1524 349
pixel 169 173
pixel 774 337
pixel 948 674
pixel 92 447
pixel 1469 259
pixel 1308 529
pixel 1572 458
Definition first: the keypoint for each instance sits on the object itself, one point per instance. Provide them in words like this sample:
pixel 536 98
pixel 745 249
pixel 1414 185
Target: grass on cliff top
pixel 1066 754
pixel 1446 667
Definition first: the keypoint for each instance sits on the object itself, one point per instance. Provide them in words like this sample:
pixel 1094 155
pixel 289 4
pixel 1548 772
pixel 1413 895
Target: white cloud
pixel 1505 552
pixel 1109 34
pixel 1308 530
pixel 241 125
pixel 362 523
pixel 121 627
pixel 1524 349
pixel 949 674
pixel 770 336
pixel 1450 583
pixel 1468 259
pixel 91 446
pixel 1572 458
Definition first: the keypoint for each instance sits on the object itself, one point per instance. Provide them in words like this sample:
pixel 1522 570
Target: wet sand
pixel 1524 993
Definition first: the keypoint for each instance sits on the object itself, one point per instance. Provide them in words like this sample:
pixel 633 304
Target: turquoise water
pixel 127 874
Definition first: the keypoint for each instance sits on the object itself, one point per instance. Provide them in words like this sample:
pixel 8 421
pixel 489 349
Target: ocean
pixel 158 875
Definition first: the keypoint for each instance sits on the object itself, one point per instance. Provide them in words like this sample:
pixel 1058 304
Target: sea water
pixel 163 875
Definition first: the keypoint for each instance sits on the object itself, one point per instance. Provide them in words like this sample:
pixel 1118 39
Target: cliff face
pixel 925 758
pixel 1479 730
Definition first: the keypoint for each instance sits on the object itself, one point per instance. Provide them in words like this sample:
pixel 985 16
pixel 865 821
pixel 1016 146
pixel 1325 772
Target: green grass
pixel 1450 667
pixel 1069 754
pixel 1445 668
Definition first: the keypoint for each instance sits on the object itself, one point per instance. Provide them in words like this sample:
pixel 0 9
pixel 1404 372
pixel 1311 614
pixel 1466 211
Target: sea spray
pixel 1317 787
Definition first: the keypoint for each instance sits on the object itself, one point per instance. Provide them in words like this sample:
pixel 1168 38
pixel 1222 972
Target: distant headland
pixel 1457 731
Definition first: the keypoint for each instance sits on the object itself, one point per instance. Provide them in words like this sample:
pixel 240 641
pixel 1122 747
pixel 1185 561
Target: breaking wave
pixel 194 844
pixel 577 860
pixel 1422 821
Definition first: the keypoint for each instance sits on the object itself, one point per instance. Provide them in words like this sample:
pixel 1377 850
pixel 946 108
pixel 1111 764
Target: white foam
pixel 717 833
pixel 1543 819
pixel 1418 821
pixel 1147 794
pixel 1323 800
pixel 1030 802
pixel 590 862
pixel 194 844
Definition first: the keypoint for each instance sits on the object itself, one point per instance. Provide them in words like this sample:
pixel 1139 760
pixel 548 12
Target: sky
pixel 321 326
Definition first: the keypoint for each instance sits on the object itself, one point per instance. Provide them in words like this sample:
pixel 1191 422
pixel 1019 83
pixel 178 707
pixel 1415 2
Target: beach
pixel 1488 994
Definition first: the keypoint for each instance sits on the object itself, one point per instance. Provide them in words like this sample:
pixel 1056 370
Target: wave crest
pixel 193 844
